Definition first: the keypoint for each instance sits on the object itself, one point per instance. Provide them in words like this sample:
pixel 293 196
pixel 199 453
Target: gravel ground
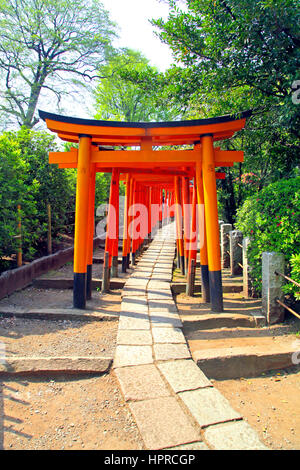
pixel 66 412
pixel 57 338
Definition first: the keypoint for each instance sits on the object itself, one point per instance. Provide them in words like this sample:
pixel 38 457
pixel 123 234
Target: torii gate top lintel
pixel 133 133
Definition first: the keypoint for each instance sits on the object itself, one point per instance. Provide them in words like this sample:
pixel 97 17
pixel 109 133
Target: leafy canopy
pixel 120 96
pixel 46 46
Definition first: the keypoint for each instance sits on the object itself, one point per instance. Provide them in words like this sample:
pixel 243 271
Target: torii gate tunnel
pixel 176 181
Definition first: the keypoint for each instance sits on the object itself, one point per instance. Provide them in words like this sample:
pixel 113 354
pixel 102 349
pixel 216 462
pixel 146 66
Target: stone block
pixel 272 286
pixel 141 382
pixel 184 375
pixel 237 435
pixel 225 257
pixel 132 355
pixel 163 423
pixel 208 406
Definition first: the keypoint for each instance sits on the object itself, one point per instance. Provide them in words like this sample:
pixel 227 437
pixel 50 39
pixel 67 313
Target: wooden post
pixel 212 223
pixel 115 241
pixel 186 218
pixel 190 285
pixel 133 223
pixel 179 223
pixel 111 230
pixel 125 229
pixel 90 229
pixel 19 253
pixel 205 292
pixel 106 273
pixel 81 222
pixel 149 213
pixel 49 235
pixel 130 201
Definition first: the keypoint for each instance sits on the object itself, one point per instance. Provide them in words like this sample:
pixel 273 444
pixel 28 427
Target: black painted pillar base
pixel 178 259
pixel 124 264
pixel 106 274
pixel 216 292
pixel 128 260
pixel 205 283
pixel 190 283
pixel 182 264
pixel 114 266
pixel 79 290
pixel 89 274
pixel 133 255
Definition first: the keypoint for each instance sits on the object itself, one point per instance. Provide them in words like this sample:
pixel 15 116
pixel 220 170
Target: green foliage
pixel 14 191
pixel 26 178
pixel 271 219
pixel 121 97
pixel 291 288
pixel 235 55
pixel 48 46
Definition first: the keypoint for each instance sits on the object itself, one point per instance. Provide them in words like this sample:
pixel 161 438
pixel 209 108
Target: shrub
pixel 271 219
pixel 26 178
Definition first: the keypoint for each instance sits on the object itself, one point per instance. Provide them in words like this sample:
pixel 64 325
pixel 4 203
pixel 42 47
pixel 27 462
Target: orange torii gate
pixel 199 163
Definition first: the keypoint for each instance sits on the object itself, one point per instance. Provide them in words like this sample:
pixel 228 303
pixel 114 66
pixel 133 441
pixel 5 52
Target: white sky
pixel 136 32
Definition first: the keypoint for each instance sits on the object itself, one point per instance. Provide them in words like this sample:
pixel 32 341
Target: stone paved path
pixel 173 402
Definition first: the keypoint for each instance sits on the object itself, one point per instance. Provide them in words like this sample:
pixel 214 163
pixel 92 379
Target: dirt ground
pixel 66 413
pixel 63 412
pixel 89 412
pixel 269 402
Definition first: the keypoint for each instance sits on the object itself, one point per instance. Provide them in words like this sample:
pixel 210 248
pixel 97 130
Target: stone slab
pixel 189 447
pixel 231 363
pixel 133 292
pixel 167 352
pixel 160 285
pixel 163 423
pixel 137 282
pixel 134 304
pixel 159 295
pixel 57 314
pixel 134 337
pixel 166 305
pixel 208 406
pixel 141 382
pixel 163 320
pixel 237 435
pixel 134 321
pixel 168 335
pixel 184 375
pixel 132 355
pixel 68 365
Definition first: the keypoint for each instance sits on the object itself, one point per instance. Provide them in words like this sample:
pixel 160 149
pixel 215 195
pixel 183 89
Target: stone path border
pixel 174 404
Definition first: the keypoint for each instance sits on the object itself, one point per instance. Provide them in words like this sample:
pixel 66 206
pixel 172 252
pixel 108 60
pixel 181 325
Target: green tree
pixel 272 220
pixel 47 46
pixel 14 191
pixel 236 55
pixel 120 97
pixel 26 178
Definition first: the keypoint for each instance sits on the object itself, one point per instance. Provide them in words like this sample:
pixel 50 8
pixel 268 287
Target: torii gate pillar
pixel 81 221
pixel 212 224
